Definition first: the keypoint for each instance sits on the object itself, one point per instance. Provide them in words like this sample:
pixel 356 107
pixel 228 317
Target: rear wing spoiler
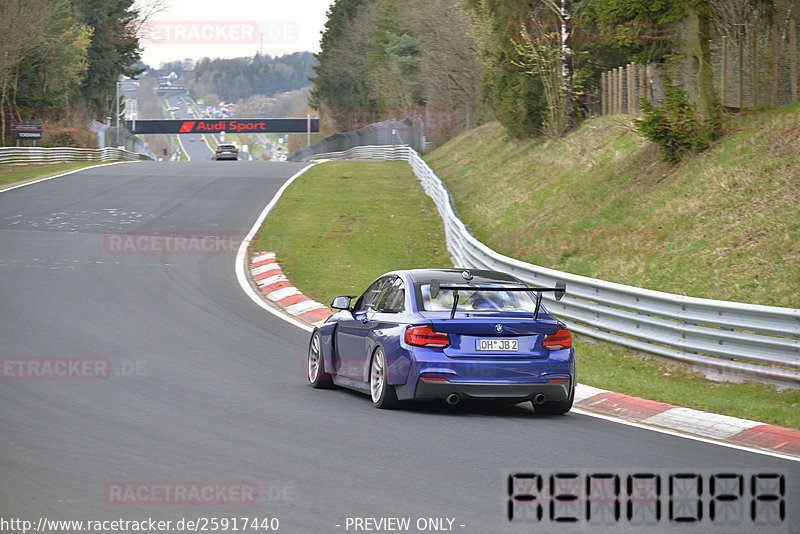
pixel 560 289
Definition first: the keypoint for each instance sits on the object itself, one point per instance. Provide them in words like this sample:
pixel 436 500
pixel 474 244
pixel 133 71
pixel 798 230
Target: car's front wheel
pixel 383 393
pixel 317 376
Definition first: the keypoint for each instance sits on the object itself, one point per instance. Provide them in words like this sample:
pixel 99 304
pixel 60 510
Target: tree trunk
pixel 3 115
pixel 700 76
pixel 566 55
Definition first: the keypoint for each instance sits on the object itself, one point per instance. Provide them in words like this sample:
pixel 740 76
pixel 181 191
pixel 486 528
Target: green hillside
pixel 601 203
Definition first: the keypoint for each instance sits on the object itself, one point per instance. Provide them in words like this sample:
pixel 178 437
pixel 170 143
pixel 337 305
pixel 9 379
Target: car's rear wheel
pixel 317 376
pixel 556 407
pixel 382 393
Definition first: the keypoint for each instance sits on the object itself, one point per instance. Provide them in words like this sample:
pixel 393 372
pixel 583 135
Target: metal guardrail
pixel 367 152
pixel 33 155
pixel 725 340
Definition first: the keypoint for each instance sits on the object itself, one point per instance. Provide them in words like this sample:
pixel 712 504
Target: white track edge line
pixel 188 157
pixel 680 434
pixel 65 174
pixel 241 257
pixel 241 260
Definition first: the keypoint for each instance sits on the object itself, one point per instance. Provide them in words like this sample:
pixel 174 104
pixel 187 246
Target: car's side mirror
pixel 341 302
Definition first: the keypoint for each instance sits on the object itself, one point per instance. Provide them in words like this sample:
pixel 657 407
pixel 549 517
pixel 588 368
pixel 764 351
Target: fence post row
pixel 621 91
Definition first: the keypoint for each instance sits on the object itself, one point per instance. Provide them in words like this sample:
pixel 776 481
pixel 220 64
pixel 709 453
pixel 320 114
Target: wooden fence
pixel 757 69
pixel 622 88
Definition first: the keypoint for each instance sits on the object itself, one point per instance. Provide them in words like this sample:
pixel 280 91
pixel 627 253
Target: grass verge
pixel 11 176
pixel 340 225
pixel 617 369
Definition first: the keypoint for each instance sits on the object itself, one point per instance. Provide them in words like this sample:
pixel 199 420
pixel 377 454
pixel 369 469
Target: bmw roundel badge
pixel 498 328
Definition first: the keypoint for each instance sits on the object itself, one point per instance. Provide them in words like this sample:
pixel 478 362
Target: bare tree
pixel 733 17
pixel 539 44
pixel 450 66
pixel 23 25
pixel 145 10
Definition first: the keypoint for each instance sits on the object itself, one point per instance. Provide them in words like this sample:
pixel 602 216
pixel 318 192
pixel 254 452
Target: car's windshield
pixel 472 300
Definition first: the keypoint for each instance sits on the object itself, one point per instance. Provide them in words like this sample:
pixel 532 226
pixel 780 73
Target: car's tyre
pixel 317 376
pixel 383 394
pixel 556 407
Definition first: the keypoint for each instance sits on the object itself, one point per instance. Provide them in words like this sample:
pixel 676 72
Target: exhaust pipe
pixel 539 398
pixel 452 399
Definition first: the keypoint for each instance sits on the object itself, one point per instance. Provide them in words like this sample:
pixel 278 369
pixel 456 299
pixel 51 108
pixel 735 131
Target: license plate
pixel 497 345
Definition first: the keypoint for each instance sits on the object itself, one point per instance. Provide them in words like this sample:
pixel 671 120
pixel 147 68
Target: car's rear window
pixel 471 300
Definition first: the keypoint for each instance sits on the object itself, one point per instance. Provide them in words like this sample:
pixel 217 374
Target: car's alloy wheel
pixel 383 393
pixel 316 363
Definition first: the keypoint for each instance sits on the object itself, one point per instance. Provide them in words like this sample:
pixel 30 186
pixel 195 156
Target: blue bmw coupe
pixel 449 334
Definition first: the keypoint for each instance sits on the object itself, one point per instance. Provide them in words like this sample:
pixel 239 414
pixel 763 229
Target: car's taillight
pixel 560 340
pixel 425 336
pixel 218 151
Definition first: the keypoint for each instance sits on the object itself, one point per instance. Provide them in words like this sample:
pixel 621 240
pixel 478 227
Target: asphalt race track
pixel 195 147
pixel 205 388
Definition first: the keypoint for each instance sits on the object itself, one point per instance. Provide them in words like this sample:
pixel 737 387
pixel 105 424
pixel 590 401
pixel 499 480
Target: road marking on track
pixel 241 260
pixel 64 174
pixel 671 432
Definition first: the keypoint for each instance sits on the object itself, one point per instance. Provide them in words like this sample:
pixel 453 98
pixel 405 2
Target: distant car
pixel 449 334
pixel 226 152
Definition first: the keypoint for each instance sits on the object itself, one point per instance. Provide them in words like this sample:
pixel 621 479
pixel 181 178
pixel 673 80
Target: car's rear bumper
pixel 553 391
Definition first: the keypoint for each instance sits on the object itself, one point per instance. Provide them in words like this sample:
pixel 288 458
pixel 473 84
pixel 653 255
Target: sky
pixel 212 28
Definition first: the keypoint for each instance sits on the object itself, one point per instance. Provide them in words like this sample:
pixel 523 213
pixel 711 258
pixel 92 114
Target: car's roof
pixel 478 276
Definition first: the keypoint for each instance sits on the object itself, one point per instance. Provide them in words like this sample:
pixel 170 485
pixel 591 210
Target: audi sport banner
pixel 203 126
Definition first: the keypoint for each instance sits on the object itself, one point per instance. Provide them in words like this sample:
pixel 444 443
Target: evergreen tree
pixel 114 49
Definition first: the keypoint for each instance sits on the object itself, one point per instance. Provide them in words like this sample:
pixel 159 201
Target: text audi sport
pixel 448 334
